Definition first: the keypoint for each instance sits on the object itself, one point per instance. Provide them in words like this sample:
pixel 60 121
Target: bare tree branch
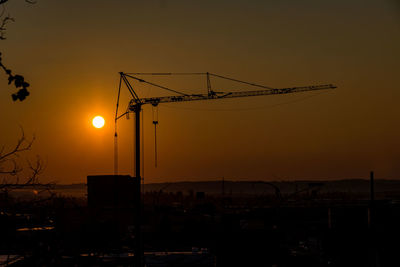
pixel 18 80
pixel 28 1
pixel 22 145
pixel 7 18
pixel 13 171
pixel 8 163
pixel 36 169
pixel 3 24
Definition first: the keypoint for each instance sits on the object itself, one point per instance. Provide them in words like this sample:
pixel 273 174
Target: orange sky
pixel 71 52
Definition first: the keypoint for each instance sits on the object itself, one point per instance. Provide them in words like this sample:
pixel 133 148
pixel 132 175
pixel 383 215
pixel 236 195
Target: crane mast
pixel 135 106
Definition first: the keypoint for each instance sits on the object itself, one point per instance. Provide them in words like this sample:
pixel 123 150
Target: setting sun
pixel 98 122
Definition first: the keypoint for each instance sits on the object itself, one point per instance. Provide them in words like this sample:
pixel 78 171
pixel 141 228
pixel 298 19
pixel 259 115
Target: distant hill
pixel 286 187
pixel 255 187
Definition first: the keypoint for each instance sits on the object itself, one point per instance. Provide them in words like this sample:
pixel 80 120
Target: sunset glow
pixel 331 134
pixel 98 122
pixel 239 133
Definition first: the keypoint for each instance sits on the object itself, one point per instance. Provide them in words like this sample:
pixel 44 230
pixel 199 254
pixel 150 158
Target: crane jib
pixel 197 97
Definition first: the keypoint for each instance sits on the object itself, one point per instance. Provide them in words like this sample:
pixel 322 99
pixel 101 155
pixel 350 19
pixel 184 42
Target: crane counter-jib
pixel 197 97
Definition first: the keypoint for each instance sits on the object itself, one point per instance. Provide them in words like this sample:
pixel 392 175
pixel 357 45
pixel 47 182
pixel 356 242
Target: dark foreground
pixel 197 229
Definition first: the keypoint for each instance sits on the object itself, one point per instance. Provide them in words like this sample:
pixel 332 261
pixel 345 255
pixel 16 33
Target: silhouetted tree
pixel 8 159
pixel 11 168
pixel 17 80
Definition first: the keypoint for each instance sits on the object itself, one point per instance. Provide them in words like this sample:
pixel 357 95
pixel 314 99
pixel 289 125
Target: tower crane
pixel 136 103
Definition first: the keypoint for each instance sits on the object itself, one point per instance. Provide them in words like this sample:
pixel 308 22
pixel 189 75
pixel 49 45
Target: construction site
pixel 122 222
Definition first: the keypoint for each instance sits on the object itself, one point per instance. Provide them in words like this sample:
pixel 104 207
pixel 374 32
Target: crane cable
pixel 155 122
pixel 115 130
pixel 115 150
pixel 189 73
pixel 165 73
pixel 142 156
pixel 239 81
pixel 157 85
